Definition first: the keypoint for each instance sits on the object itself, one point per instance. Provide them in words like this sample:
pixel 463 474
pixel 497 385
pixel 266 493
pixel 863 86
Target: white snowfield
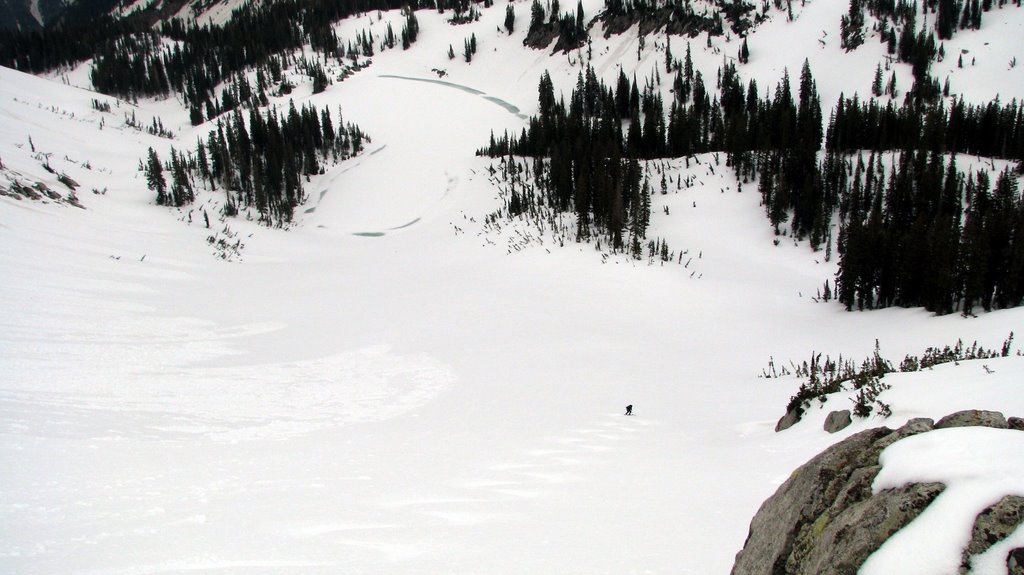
pixel 390 386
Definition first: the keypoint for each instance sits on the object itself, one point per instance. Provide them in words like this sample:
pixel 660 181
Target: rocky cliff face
pixel 825 519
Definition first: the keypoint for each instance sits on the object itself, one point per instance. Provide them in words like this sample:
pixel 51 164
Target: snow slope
pixel 391 386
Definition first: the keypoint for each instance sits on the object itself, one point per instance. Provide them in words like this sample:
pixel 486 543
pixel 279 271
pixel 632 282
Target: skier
pixel 629 410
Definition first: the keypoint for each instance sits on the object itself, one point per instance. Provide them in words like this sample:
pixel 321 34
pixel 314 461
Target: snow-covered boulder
pixel 829 517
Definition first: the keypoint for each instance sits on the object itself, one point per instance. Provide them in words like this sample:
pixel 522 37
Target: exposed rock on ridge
pixel 825 519
pixel 993 525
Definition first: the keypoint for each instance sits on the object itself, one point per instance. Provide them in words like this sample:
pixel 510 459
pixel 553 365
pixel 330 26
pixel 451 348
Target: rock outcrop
pixel 825 519
pixel 973 418
pixel 991 526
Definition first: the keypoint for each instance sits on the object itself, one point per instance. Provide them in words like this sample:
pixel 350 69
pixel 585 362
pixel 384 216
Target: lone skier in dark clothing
pixel 629 410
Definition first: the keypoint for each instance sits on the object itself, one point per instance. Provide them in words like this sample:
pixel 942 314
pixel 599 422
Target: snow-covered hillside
pixel 392 385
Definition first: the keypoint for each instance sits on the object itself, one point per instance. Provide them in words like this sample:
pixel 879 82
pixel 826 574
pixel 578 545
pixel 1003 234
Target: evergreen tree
pixel 155 180
pixel 510 18
pixel 688 65
pixel 669 63
pixel 876 85
pixel 536 16
pixel 412 27
pixel 181 187
pixel 852 27
pixel 546 98
pixel 203 163
pixel 946 21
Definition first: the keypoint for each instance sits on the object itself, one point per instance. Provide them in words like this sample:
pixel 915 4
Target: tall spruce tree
pixel 155 180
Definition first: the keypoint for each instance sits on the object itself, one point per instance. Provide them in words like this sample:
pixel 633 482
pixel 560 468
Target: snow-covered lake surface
pixel 390 386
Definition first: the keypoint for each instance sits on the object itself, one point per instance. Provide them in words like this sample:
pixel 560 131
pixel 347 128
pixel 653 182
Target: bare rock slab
pixel 973 418
pixel 797 529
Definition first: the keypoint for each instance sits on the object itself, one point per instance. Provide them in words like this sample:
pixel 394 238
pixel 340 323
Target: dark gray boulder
pixel 992 526
pixel 838 421
pixel 1015 423
pixel 788 420
pixel 1015 561
pixel 973 418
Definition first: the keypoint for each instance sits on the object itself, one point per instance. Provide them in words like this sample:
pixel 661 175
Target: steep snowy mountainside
pixel 77 132
pixel 201 12
pixel 419 400
pixel 399 383
pixel 211 12
pixel 39 14
pixel 991 59
pixel 776 46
